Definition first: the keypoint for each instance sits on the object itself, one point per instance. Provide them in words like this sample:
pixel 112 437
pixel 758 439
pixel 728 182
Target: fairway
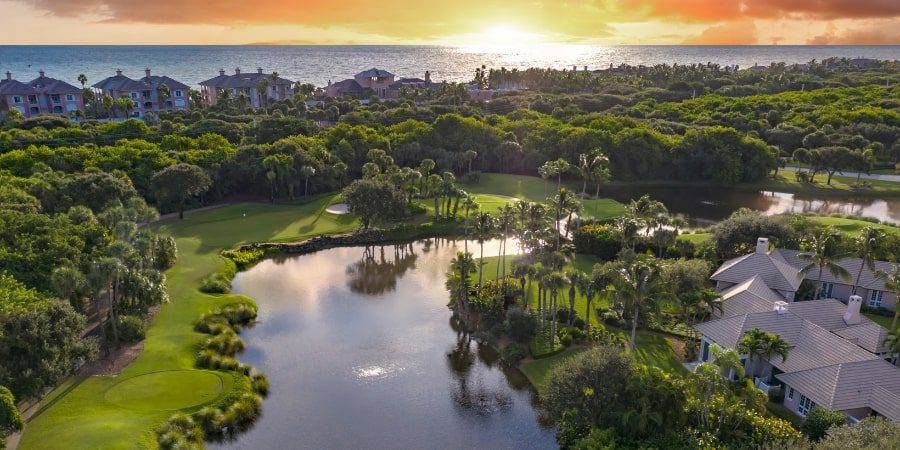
pixel 166 391
pixel 100 412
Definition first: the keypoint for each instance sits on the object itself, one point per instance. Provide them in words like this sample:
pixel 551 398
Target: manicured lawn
pixel 881 320
pixel 652 349
pixel 538 371
pixel 853 226
pixel 696 238
pixel 537 189
pixel 120 412
pixel 786 181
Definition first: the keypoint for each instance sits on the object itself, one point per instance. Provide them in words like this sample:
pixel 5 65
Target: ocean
pixel 319 64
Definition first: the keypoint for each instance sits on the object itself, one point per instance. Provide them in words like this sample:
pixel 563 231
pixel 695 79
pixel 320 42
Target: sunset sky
pixel 453 22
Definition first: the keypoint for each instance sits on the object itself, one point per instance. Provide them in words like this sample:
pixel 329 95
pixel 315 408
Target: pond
pixel 703 206
pixel 362 352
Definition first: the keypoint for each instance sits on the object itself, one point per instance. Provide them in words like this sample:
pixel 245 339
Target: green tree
pixel 871 433
pixel 866 247
pixel 824 251
pixel 577 281
pixel 554 282
pixel 307 172
pixel 524 272
pixel 591 383
pixel 485 225
pixel 461 269
pixel 819 420
pixel 892 344
pixel 179 182
pixel 83 79
pixel 10 418
pixel 162 94
pixel 640 285
pixel 760 345
pixel 374 201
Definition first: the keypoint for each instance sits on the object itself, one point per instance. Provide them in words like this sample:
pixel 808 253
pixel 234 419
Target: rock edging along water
pixel 399 235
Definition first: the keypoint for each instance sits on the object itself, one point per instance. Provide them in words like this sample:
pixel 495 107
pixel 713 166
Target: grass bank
pixel 537 189
pixel 120 412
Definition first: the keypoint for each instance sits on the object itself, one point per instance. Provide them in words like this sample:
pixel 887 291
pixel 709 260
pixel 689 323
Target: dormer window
pixel 179 93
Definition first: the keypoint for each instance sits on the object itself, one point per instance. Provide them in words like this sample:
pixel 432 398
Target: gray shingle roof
pixel 374 73
pixel 156 81
pixel 748 297
pixel 868 280
pixel 120 83
pixel 348 85
pixel 49 85
pixel 243 80
pixel 14 87
pixel 774 271
pixel 873 383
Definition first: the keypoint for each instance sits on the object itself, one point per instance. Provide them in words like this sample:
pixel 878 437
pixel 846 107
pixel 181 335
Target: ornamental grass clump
pixel 180 432
pixel 227 343
pixel 260 383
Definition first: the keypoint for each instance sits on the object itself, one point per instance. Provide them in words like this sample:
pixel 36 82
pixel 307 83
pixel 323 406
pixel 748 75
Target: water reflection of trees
pixel 472 396
pixel 379 268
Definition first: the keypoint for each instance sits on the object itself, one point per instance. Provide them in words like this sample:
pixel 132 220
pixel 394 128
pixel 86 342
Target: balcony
pixel 766 386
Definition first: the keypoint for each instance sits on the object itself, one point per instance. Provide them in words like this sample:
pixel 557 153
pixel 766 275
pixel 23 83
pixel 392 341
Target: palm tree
pixel 484 227
pixel 554 282
pixel 434 184
pixel 555 169
pixel 307 172
pixel 759 345
pixel 641 285
pixel 525 273
pixel 470 156
pixel 507 218
pixel 262 88
pixel 892 282
pixel 341 168
pixel 109 270
pixel 162 94
pixel 892 341
pixel 562 202
pixel 577 280
pixel 83 79
pixel 866 247
pixel 470 205
pixel 462 266
pixel 824 251
pixel 589 166
pixel 275 84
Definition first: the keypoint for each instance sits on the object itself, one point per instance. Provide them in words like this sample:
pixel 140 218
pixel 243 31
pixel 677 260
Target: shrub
pixel 210 421
pixel 245 258
pixel 131 328
pixel 578 323
pixel 613 318
pixel 260 383
pixel 10 419
pixel 165 252
pixel 216 283
pixel 180 432
pixel 600 240
pixel 819 420
pixel 227 343
pixel 512 354
pixel 520 325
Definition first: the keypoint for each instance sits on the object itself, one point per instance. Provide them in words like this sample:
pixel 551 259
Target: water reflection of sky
pixel 886 211
pixel 359 359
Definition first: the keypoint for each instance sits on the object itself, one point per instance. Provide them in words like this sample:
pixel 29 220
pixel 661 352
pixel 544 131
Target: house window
pixel 875 299
pixel 57 110
pixel 34 110
pixel 791 394
pixel 55 98
pixel 17 99
pixel 179 93
pixel 805 405
pixel 32 99
pixel 134 95
pixel 827 290
pixel 70 98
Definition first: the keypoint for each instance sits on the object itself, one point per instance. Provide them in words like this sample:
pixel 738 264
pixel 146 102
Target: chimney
pixel 762 246
pixel 237 71
pixel 41 73
pixel 8 75
pixel 780 307
pixel 118 72
pixel 147 72
pixel 222 72
pixel 428 76
pixel 259 70
pixel 851 316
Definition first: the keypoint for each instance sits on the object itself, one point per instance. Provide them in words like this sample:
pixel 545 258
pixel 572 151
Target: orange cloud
pixel 731 33
pixel 723 10
pixel 885 32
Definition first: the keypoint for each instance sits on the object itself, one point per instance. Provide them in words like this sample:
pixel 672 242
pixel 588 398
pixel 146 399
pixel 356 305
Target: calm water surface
pixel 317 64
pixel 361 352
pixel 707 205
